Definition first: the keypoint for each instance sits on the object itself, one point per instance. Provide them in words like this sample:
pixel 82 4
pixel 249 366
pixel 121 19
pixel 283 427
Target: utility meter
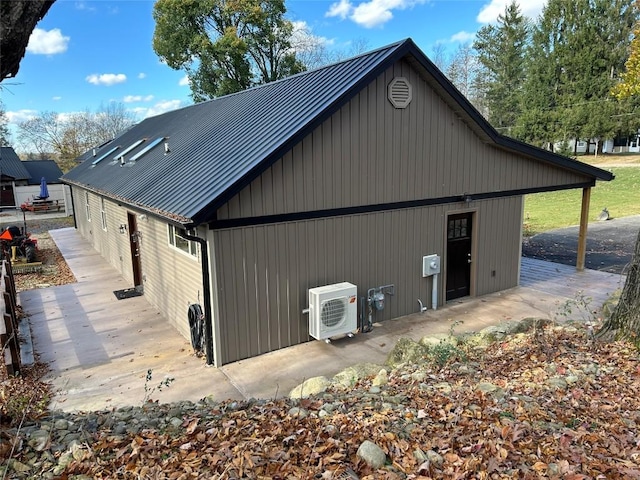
pixel 378 300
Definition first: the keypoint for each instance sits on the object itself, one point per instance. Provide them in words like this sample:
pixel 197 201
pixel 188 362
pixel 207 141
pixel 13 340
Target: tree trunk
pixel 18 18
pixel 624 323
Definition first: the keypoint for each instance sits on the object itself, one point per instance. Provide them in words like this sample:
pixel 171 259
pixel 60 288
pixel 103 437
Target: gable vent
pixel 400 92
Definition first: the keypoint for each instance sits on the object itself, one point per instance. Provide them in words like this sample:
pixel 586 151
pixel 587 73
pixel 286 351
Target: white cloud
pixel 142 75
pixel 184 81
pixel 489 12
pixel 21 115
pixel 157 109
pixel 462 37
pixel 107 79
pixel 371 13
pixel 56 98
pixel 43 42
pixel 340 9
pixel 137 98
pixel 84 6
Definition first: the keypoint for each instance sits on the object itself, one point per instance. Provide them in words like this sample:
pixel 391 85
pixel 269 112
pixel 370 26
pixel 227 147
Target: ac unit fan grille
pixel 333 312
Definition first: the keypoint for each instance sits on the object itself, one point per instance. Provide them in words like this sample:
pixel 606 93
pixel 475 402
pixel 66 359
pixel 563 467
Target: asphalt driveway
pixel 609 244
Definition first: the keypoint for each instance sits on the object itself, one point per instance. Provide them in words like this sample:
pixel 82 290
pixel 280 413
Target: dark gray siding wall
pixel 370 153
pixel 264 272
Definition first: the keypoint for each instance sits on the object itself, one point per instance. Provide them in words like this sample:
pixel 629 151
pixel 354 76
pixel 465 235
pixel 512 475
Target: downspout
pixel 208 325
pixel 73 207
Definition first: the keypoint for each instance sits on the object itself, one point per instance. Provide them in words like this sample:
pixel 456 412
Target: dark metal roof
pixel 218 147
pixel 11 166
pixel 48 169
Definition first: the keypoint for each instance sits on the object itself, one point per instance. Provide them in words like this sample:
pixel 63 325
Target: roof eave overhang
pixel 168 217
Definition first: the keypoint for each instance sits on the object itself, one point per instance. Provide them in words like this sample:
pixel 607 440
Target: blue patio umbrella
pixel 44 191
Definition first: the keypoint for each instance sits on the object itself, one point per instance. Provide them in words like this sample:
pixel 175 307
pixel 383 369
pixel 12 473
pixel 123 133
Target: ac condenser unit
pixel 333 310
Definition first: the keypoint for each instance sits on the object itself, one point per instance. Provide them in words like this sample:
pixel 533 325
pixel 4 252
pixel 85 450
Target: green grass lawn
pixel 546 211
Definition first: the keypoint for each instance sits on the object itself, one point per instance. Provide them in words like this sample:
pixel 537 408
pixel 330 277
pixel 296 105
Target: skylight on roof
pixel 146 149
pixel 131 147
pixel 102 157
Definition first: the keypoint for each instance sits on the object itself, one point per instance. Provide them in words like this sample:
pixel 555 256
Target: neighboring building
pixel 38 169
pixel 12 175
pixel 352 172
pixel 59 193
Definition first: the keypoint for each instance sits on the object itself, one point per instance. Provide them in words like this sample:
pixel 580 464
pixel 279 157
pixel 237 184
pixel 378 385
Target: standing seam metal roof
pixel 219 146
pixel 11 166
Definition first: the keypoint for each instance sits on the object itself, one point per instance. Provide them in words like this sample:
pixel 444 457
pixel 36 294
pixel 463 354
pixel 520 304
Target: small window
pixel 87 206
pixel 103 215
pixel 177 240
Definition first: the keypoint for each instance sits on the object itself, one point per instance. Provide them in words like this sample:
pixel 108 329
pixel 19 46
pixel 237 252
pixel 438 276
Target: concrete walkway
pixel 100 349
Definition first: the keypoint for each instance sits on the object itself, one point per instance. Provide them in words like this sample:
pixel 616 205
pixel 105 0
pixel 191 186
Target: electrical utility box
pixel 430 265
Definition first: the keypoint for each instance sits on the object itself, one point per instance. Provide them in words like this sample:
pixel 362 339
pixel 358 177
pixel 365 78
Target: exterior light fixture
pixel 123 228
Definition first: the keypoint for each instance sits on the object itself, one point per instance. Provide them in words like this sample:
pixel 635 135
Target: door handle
pixel 468 258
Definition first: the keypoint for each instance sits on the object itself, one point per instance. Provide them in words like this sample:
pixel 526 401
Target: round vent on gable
pixel 399 92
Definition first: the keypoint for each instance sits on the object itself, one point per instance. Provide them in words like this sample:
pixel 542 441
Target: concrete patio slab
pixel 100 348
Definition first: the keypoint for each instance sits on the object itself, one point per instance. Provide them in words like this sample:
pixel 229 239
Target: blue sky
pixel 86 53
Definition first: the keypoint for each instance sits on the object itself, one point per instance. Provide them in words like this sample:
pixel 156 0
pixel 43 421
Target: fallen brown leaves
pixel 544 406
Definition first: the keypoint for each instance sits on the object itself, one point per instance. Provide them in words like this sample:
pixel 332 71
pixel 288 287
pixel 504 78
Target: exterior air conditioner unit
pixel 333 310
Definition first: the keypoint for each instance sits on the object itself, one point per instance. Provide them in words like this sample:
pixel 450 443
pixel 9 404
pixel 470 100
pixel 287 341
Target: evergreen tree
pixel 577 46
pixel 501 54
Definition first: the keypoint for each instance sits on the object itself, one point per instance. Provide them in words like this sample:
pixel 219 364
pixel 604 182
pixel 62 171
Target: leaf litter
pixel 556 405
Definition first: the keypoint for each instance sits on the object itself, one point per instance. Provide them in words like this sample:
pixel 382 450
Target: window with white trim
pixel 177 240
pixel 87 206
pixel 103 215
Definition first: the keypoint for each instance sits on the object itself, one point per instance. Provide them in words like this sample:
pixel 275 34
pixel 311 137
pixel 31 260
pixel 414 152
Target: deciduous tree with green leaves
pixel 225 46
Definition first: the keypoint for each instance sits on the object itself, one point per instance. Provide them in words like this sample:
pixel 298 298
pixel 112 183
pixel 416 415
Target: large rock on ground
pixel 407 351
pixel 372 454
pixel 312 386
pixel 350 375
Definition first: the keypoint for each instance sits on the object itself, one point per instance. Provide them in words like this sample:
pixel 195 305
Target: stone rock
pixel 19 467
pixel 504 329
pixel 350 375
pixel 486 387
pixel 39 440
pixel 298 412
pixel 437 339
pixel 382 378
pixel 435 458
pixel 61 424
pixel 312 386
pixel 372 454
pixel 407 351
pixel 557 383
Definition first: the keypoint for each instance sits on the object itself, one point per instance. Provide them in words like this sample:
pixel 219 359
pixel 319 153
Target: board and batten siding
pixel 264 272
pixel 370 153
pixel 171 278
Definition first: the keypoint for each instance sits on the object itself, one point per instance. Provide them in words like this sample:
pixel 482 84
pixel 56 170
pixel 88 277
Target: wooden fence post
pixel 9 341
